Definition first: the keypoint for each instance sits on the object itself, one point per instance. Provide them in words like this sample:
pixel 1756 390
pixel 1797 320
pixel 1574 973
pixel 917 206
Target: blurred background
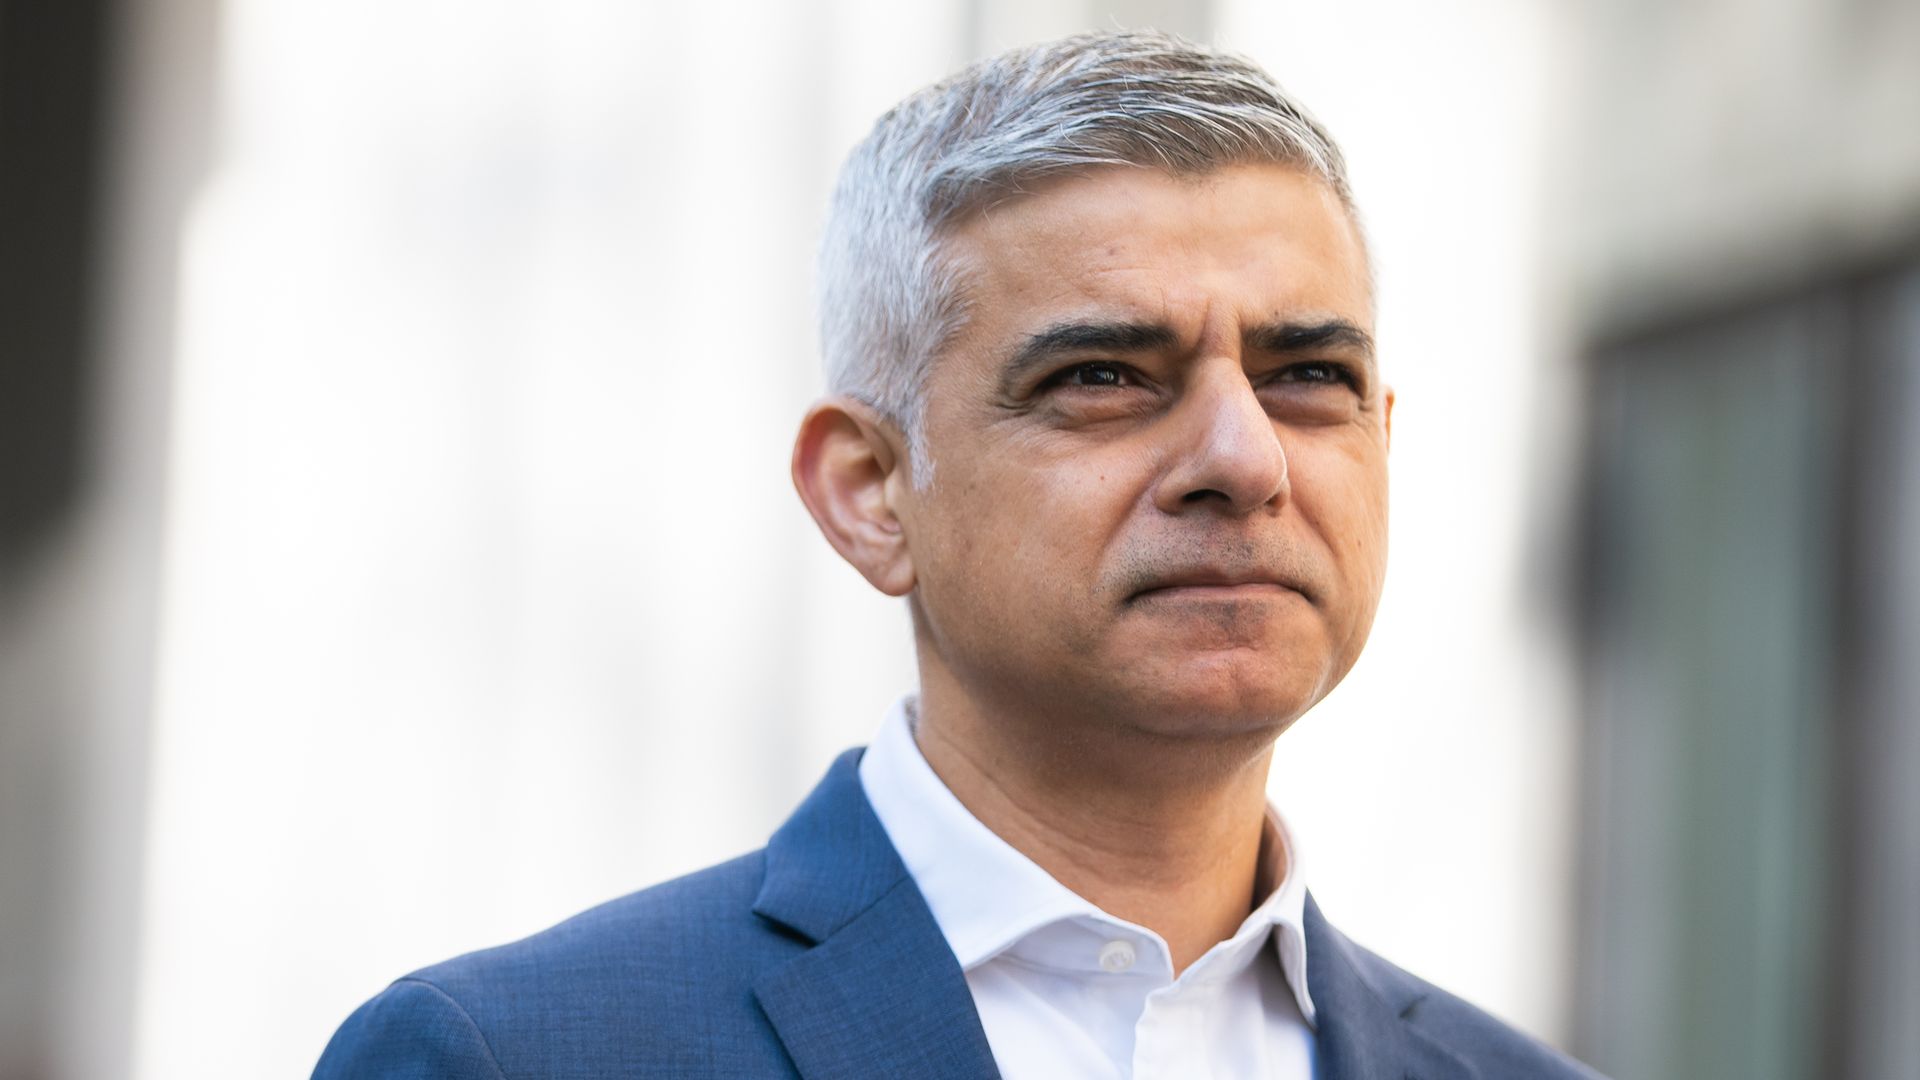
pixel 397 555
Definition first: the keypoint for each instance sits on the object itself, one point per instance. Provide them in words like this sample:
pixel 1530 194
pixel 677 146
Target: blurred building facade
pixel 397 553
pixel 1744 233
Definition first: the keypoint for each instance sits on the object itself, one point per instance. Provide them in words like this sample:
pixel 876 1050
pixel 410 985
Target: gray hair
pixel 890 301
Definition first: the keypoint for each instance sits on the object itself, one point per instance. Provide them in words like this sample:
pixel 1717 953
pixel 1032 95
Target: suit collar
pixel 1365 1006
pixel 880 993
pixel 830 861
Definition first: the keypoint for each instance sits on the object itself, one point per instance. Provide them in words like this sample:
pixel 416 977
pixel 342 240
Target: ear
pixel 842 460
pixel 1388 418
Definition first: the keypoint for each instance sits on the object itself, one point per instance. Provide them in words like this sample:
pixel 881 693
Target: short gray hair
pixel 890 301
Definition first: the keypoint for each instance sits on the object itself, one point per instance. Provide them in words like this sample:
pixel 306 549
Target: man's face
pixel 1159 454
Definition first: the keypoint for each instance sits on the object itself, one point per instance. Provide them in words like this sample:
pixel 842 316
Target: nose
pixel 1226 453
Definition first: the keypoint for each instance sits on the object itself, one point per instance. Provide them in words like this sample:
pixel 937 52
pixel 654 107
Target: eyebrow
pixel 1070 338
pixel 1073 338
pixel 1290 337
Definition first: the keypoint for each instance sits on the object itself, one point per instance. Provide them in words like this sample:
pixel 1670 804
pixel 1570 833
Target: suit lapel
pixel 884 997
pixel 880 993
pixel 1364 1033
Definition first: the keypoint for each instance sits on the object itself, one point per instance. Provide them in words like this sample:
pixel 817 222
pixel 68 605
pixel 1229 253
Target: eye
pixel 1324 372
pixel 1098 373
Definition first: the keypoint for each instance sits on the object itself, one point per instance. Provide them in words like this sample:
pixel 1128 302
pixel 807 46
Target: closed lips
pixel 1221 583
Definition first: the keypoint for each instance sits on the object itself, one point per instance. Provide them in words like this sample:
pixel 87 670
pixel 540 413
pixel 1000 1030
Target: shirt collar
pixel 1027 912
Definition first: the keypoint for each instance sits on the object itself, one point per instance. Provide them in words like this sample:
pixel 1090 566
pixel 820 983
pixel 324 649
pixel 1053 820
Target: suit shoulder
pixel 658 982
pixel 410 1031
pixel 705 915
pixel 1496 1049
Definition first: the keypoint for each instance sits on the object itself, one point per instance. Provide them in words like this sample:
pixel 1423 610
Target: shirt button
pixel 1116 956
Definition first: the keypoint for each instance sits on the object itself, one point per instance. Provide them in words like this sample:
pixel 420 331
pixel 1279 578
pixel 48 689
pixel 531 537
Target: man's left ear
pixel 843 458
pixel 1387 420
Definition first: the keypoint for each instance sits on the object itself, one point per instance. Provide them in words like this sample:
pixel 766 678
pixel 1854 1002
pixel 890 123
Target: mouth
pixel 1216 587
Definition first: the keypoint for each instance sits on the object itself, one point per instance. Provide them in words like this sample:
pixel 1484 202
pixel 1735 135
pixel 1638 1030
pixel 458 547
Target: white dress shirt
pixel 1065 990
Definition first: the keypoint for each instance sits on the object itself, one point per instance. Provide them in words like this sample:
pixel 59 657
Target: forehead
pixel 1241 245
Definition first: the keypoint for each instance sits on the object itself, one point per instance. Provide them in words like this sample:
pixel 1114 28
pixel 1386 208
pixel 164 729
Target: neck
pixel 1161 832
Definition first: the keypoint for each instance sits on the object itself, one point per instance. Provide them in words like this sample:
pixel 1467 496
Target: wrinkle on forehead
pixel 1150 225
pixel 1210 257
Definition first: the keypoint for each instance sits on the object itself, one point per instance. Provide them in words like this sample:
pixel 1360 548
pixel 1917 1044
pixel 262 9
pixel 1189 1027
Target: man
pixel 1106 411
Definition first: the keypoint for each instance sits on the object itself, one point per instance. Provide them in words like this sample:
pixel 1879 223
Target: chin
pixel 1229 699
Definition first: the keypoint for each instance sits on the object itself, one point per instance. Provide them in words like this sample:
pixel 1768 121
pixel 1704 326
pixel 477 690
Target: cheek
pixel 1344 494
pixel 1079 509
pixel 1033 537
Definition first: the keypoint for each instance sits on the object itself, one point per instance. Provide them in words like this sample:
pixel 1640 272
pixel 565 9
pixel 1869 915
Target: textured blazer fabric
pixel 817 957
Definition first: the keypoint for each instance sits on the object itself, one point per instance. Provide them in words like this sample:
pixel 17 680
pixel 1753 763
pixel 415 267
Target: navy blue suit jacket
pixel 817 957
